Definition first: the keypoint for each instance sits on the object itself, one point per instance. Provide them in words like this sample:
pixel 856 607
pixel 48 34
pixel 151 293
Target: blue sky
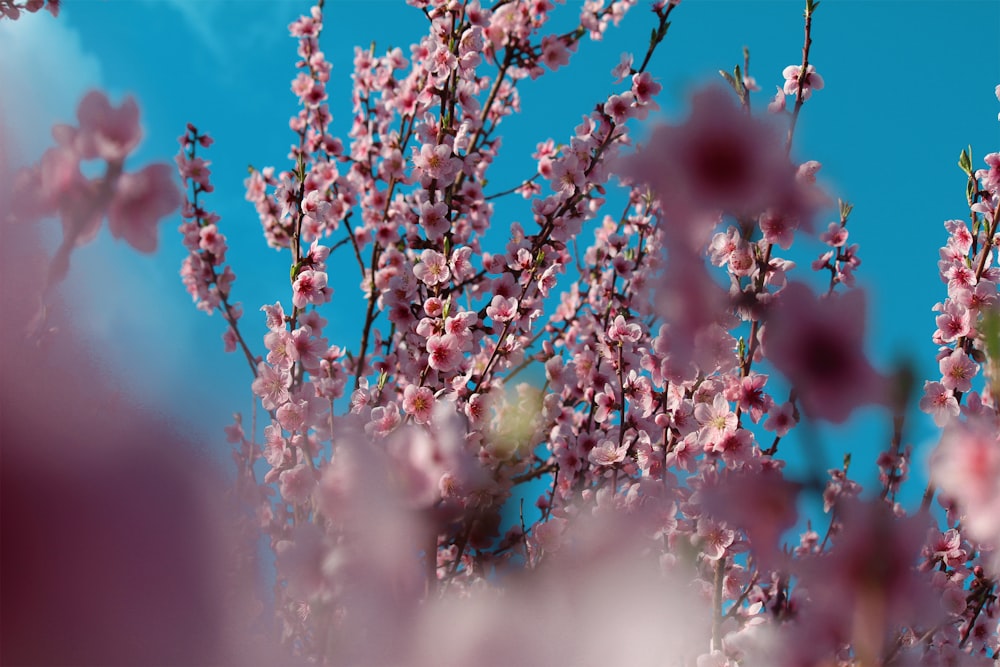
pixel 908 85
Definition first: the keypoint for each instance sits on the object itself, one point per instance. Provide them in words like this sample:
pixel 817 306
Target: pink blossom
pixel 554 52
pixel 939 402
pixel 605 403
pixel 954 322
pixel 384 420
pixel 957 371
pixel 778 102
pixel 297 484
pixel 140 201
pixel 990 177
pixel 778 228
pixel 271 385
pixel 107 132
pixel 432 268
pixel 751 396
pixel 437 162
pixel 714 538
pixel 607 453
pixel 812 81
pixel 719 160
pixel 310 288
pixel 966 467
pixel 835 235
pixel 444 352
pixel 716 419
pixel 502 309
pixel 645 88
pixel 434 219
pixel 817 344
pixel 623 68
pixel 760 503
pixel 419 402
pixel 781 419
pixel 621 331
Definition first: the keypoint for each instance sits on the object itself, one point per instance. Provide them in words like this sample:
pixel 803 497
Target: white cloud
pixel 44 72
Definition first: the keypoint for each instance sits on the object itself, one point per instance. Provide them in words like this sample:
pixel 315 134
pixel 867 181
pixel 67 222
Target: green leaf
pixel 965 161
pixel 728 77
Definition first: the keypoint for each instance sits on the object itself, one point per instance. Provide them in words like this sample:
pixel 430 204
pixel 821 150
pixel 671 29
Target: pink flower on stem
pixel 444 352
pixel 434 220
pixel 605 403
pixel 607 453
pixel 939 402
pixel 502 309
pixel 432 268
pixel 812 81
pixel 271 385
pixel 751 396
pixel 623 68
pixel 297 484
pixel 717 419
pixel 418 402
pixel 310 288
pixel 954 322
pixel 781 419
pixel 714 538
pixel 778 228
pixel 437 162
pixel 957 371
pixel 778 102
pixel 645 88
pixel 621 331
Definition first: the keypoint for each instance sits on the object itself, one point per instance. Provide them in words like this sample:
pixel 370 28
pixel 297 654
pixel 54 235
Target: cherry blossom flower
pixel 297 484
pixel 433 268
pixel 966 467
pixel 607 453
pixel 781 419
pixel 817 344
pixel 107 132
pixel 719 160
pixel 141 200
pixel 437 162
pixel 621 331
pixel 310 287
pixel 812 81
pixel 717 419
pixel 419 402
pixel 957 371
pixel 502 309
pixel 714 538
pixel 444 352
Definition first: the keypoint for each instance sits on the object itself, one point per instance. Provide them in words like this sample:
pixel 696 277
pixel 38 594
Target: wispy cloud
pixel 203 19
pixel 44 72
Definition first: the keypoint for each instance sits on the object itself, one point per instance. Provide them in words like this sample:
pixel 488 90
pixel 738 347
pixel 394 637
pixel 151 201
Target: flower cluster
pixel 650 290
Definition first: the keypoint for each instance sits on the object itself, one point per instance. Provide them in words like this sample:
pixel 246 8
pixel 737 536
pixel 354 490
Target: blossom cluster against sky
pixel 908 85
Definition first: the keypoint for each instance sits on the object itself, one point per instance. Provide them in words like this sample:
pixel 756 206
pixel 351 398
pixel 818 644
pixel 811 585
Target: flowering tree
pixel 679 350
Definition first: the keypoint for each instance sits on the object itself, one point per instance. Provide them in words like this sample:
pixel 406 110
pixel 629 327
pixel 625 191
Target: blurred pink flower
pixel 107 132
pixel 140 201
pixel 818 345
